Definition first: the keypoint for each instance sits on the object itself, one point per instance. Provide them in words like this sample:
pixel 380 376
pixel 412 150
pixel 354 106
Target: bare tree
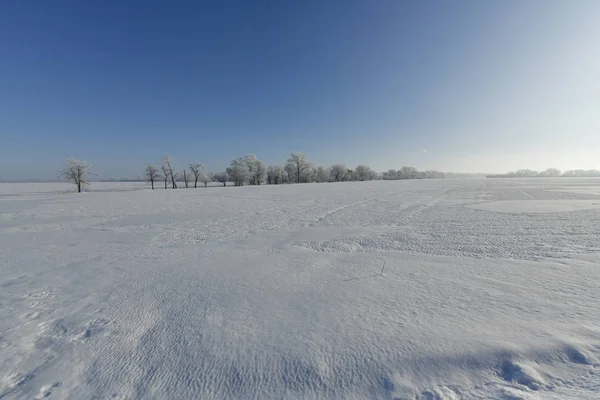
pixel 167 163
pixel 338 172
pixel 165 174
pixel 76 171
pixel 152 174
pixel 186 179
pixel 299 164
pixel 221 177
pixel 197 172
pixel 206 179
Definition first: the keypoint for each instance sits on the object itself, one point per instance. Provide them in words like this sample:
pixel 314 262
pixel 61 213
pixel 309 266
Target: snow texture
pixel 491 290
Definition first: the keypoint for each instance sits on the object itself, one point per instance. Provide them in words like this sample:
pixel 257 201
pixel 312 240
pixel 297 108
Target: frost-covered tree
pixel 299 164
pixel 349 175
pixel 247 169
pixel 337 172
pixel 553 172
pixel 526 173
pixel 186 178
pixel 167 164
pixel 259 172
pixel 238 171
pixel 321 175
pixel 274 175
pixel 152 175
pixel 310 175
pixel 431 174
pixel 255 169
pixel 391 174
pixel 165 174
pixel 364 173
pixel 76 171
pixel 289 175
pixel 249 162
pixel 408 173
pixel 196 172
pixel 221 177
pixel 206 178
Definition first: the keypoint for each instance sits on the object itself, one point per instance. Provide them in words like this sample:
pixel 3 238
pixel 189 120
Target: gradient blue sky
pixel 464 86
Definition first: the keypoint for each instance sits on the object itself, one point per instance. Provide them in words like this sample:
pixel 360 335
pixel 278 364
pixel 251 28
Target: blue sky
pixel 466 86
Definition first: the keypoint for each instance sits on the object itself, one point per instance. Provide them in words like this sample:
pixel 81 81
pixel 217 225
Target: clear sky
pixel 466 86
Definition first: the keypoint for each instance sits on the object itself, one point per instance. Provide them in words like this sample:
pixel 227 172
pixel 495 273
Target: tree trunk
pixel 205 184
pixel 196 183
pixel 152 183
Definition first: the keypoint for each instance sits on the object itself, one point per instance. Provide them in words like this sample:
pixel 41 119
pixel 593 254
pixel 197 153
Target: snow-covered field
pixel 491 289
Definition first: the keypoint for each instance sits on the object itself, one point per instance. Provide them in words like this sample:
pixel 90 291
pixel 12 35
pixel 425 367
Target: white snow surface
pixel 491 290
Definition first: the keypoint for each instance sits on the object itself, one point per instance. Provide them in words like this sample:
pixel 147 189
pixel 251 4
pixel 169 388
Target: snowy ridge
pixel 277 292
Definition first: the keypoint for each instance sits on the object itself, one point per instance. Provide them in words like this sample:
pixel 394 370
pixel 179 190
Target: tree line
pixel 249 170
pixel 548 173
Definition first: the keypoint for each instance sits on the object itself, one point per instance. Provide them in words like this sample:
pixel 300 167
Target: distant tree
pixel 152 174
pixel 350 176
pixel 274 175
pixel 299 164
pixel 221 177
pixel 321 174
pixel 434 174
pixel 238 171
pixel 390 175
pixel 249 163
pixel 338 172
pixel 76 171
pixel 289 175
pixel 186 178
pixel 310 175
pixel 553 172
pixel 527 173
pixel 196 172
pixel 259 172
pixel 165 174
pixel 407 173
pixel 364 173
pixel 206 179
pixel 167 164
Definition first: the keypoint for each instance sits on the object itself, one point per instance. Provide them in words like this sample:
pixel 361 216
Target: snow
pixel 528 206
pixel 491 290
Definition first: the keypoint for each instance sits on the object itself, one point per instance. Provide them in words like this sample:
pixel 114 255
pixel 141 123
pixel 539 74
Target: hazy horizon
pixel 466 86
